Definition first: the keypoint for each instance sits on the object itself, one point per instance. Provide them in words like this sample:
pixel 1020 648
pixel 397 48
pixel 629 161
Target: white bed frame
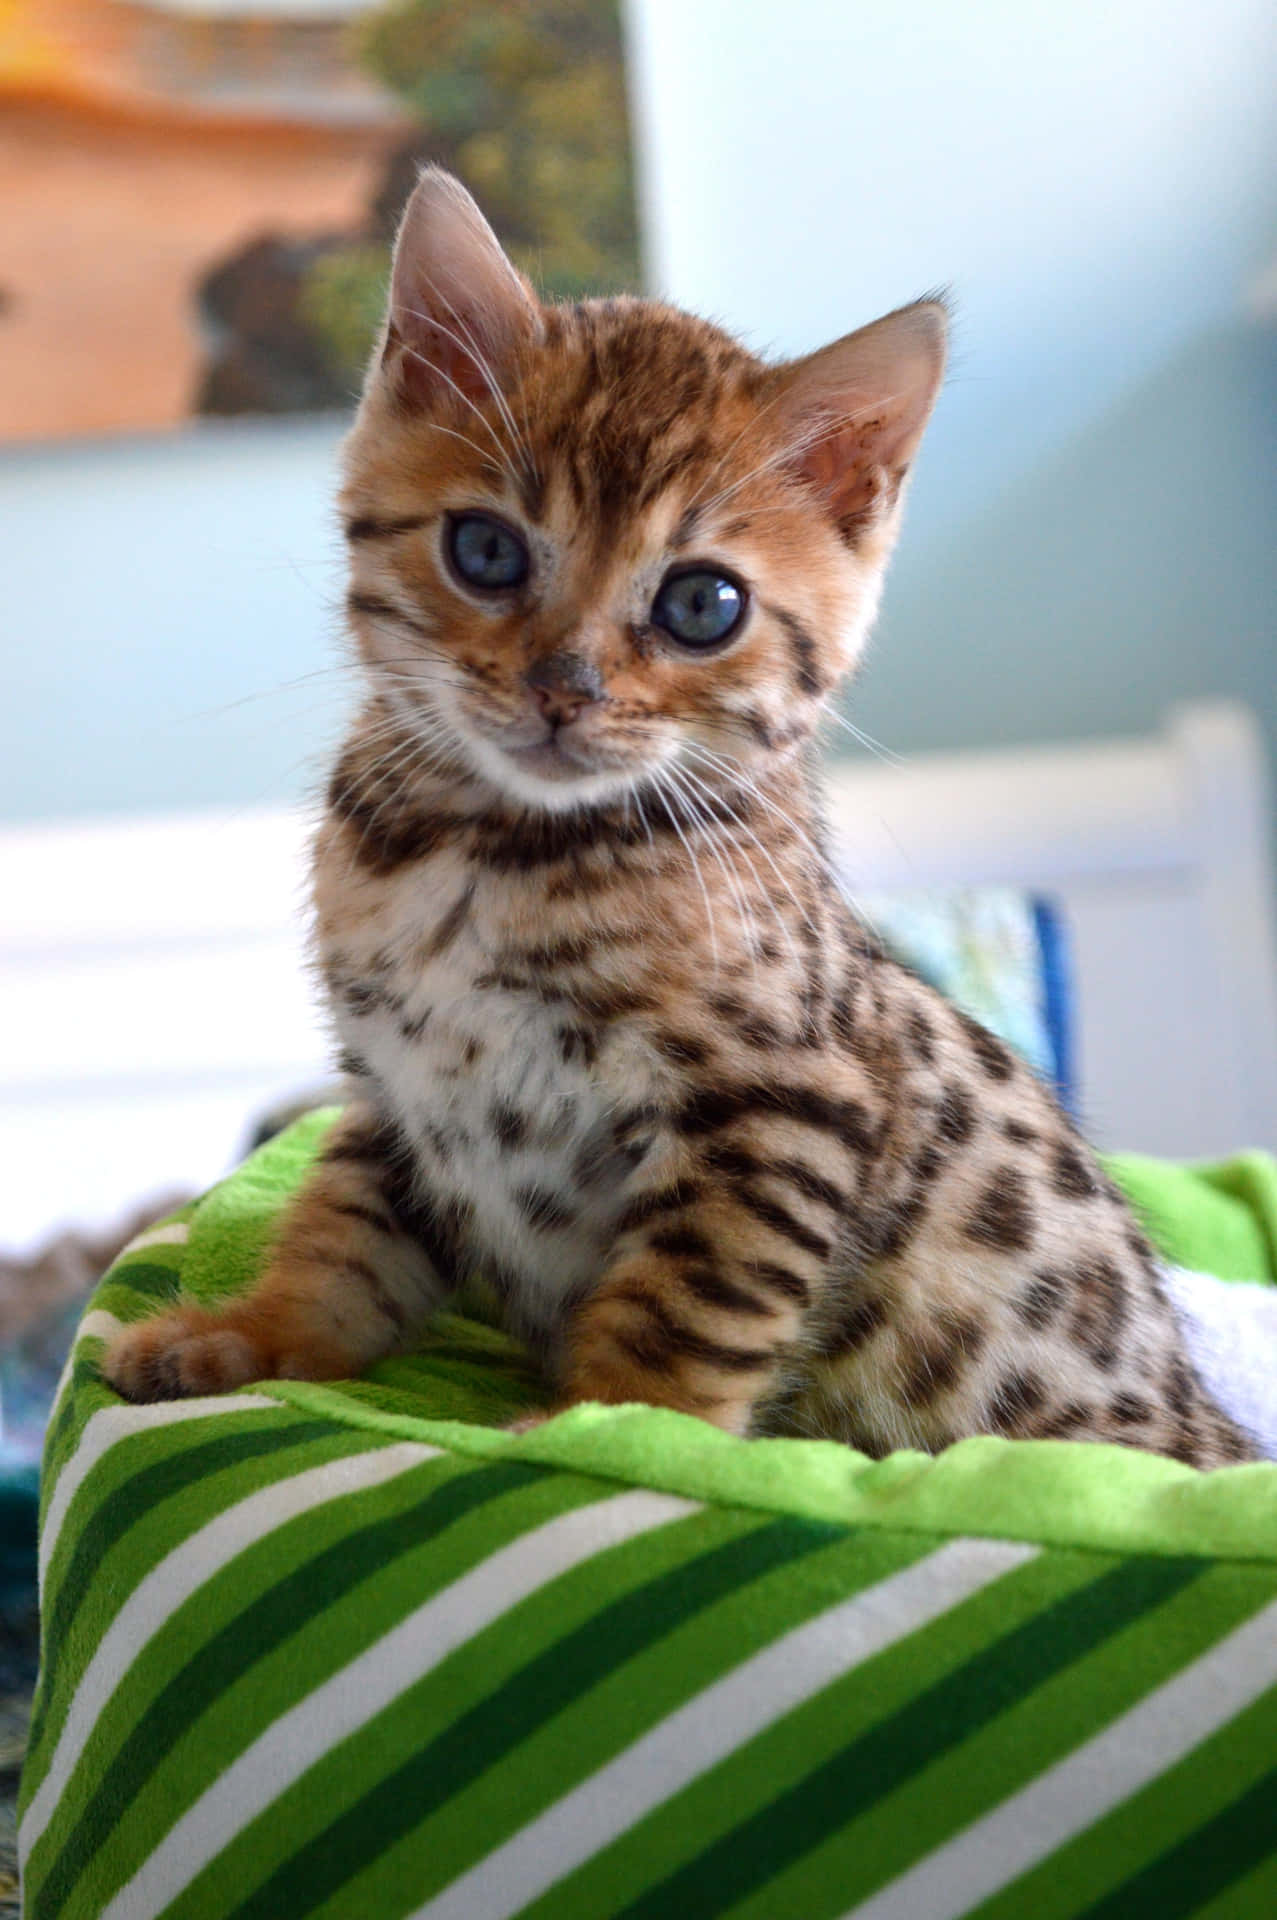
pixel 1158 852
pixel 154 995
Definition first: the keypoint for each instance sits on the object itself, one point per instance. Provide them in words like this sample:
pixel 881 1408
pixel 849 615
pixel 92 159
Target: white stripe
pixel 179 1574
pixel 715 1722
pixel 175 1234
pixel 371 1681
pixel 98 1325
pixel 1078 1790
pixel 106 1429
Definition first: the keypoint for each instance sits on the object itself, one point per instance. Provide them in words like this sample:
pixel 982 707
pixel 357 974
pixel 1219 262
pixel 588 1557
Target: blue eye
pixel 486 553
pixel 700 607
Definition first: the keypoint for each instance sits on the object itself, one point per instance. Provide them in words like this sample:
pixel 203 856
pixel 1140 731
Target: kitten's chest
pixel 527 1116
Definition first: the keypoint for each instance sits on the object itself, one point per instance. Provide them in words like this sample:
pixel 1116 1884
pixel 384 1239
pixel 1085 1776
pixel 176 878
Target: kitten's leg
pixel 349 1280
pixel 699 1310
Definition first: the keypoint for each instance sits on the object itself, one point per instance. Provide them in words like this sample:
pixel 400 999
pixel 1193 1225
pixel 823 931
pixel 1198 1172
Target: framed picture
pixel 197 196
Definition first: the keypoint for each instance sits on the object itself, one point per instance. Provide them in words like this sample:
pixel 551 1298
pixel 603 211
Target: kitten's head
pixel 603 546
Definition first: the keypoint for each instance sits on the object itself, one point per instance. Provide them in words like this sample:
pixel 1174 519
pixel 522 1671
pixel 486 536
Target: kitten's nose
pixel 562 683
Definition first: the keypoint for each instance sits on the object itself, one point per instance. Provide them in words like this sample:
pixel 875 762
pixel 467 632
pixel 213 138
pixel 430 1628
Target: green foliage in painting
pixel 342 299
pixel 525 101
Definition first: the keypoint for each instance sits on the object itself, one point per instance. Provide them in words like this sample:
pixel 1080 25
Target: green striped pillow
pixel 354 1651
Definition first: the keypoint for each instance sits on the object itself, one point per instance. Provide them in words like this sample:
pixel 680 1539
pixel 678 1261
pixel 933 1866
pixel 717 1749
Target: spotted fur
pixel 614 1038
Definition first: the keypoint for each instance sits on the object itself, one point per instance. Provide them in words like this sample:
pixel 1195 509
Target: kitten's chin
pixel 546 777
pixel 547 761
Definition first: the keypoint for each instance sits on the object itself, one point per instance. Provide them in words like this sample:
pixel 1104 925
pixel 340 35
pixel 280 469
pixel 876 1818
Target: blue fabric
pixel 980 948
pixel 1057 997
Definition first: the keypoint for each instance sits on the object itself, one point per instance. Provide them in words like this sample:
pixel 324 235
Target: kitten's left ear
pixel 854 412
pixel 458 306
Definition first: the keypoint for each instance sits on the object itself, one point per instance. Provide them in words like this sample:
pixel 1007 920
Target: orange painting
pixel 142 143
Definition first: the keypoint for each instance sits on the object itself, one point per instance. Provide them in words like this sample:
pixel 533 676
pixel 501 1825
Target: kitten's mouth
pixel 553 758
pixel 549 766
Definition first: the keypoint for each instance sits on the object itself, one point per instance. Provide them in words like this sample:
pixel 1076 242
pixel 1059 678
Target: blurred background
pixel 196 201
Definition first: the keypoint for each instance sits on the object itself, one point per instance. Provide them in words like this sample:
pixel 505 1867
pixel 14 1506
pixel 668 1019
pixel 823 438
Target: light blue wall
pixel 1096 181
pixel 1092 532
pixel 162 597
pixel 1133 566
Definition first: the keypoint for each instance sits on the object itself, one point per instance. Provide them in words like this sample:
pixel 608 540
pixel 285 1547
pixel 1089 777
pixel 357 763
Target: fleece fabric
pixel 354 1650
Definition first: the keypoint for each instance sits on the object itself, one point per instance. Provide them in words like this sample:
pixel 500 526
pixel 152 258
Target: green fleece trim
pixel 1052 1492
pixel 1219 1217
pixel 466 1381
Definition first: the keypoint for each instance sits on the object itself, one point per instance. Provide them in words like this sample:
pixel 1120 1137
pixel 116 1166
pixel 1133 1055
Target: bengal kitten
pixel 616 1040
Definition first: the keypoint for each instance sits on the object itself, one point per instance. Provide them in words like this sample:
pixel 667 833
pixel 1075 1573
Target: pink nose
pixel 559 704
pixel 562 684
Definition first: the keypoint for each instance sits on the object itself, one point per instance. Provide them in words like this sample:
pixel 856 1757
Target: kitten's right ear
pixel 459 311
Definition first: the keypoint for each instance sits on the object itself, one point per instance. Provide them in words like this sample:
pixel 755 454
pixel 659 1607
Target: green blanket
pixel 354 1651
pixel 1219 1219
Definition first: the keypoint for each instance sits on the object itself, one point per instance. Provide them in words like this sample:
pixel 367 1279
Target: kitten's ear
pixel 457 305
pixel 854 412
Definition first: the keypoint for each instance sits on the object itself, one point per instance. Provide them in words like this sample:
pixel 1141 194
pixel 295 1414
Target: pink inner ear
pixel 459 311
pixel 435 361
pixel 842 465
pixel 855 412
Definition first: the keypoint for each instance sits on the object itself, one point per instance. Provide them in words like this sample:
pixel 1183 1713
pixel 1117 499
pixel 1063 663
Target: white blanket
pixel 1231 1330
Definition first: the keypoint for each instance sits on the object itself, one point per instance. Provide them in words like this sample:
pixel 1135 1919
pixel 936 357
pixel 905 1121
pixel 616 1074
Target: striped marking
pixel 888 1752
pixel 1070 1796
pixel 114 1424
pixel 180 1574
pixel 173 1233
pixel 95 1325
pixel 379 610
pixel 169 1482
pixel 1231 1847
pixel 717 1720
pixel 367 526
pixel 437 1774
pixel 264 1624
pixel 369 1683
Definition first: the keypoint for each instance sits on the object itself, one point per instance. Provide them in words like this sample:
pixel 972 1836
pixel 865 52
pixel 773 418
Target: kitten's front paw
pixel 178 1355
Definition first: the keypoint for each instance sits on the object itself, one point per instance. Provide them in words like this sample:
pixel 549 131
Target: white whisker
pixel 470 347
pixel 504 460
pixel 726 455
pixel 779 917
pixel 705 821
pixel 638 803
pixel 866 740
pixel 735 771
pixel 672 813
pixel 823 428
